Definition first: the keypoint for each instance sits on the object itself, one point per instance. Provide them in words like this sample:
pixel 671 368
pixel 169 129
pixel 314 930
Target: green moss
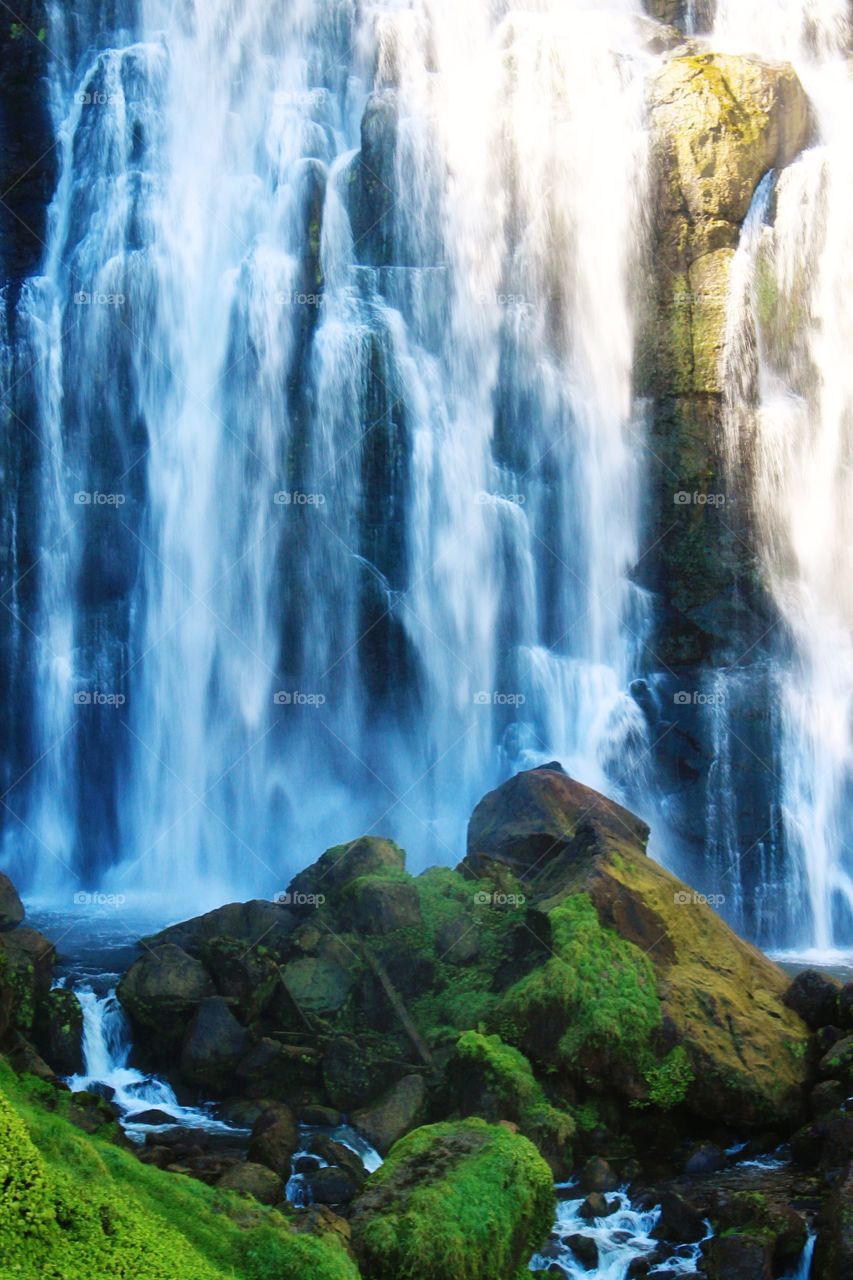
pixel 509 1076
pixel 77 1206
pixel 669 1080
pixel 466 1201
pixel 596 999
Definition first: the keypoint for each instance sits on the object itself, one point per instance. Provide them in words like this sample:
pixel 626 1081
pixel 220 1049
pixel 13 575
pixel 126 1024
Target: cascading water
pixel 106 1054
pixel 337 494
pixel 789 421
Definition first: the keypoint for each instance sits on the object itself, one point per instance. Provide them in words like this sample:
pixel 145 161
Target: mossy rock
pixel 639 965
pixel 340 865
pixel 464 1201
pixel 27 959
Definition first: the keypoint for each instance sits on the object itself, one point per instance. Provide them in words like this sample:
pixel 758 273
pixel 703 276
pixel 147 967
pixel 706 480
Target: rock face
pixel 710 1004
pixel 11 907
pixel 718 123
pixel 469 1200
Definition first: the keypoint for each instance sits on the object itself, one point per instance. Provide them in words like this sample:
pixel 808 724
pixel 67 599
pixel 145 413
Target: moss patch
pixel 78 1206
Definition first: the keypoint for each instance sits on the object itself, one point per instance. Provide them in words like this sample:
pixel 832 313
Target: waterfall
pixel 107 1047
pixel 789 428
pixel 337 483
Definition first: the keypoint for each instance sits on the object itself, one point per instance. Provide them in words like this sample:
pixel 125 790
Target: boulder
pixel 161 992
pixel 458 941
pixel 597 1175
pixel 246 976
pixel 339 1155
pixel 639 968
pixel 596 1205
pixel 837 1062
pixel 58 1031
pixel 740 1257
pixel 584 1248
pixel 423 1213
pixel 704 1159
pixel 339 866
pixel 814 996
pixel 253 1180
pixel 384 906
pixel 680 1221
pixel 261 926
pixel 11 907
pixel 317 986
pixel 274 1070
pixel 275 1141
pixel 333 1185
pixel 398 1111
pixel 213 1046
pixel 356 1072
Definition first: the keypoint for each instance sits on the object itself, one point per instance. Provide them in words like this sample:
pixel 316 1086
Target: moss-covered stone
pixel 638 965
pixel 465 1201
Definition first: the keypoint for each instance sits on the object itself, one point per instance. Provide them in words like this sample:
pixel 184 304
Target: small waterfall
pixel 338 490
pixel 789 426
pixel 107 1048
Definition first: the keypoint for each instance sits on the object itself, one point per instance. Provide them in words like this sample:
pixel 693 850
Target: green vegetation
pixel 669 1081
pixel 466 1201
pixel 597 997
pixel 509 1076
pixel 76 1206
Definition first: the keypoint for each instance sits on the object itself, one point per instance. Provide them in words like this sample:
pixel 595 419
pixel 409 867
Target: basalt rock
pixel 58 1031
pixel 214 1044
pixel 815 997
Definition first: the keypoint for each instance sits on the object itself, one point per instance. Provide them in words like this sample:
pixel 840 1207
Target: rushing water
pixel 332 379
pixel 790 427
pixel 107 1049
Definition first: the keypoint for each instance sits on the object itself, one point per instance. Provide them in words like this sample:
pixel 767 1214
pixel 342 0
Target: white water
pixel 791 334
pixel 620 1238
pixel 106 1053
pixel 449 412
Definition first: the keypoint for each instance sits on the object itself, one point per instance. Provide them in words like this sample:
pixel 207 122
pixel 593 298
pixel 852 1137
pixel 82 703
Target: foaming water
pixel 789 427
pixel 339 488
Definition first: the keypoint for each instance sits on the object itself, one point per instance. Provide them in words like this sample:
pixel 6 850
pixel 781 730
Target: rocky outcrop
pixel 640 967
pixel 162 991
pixel 719 124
